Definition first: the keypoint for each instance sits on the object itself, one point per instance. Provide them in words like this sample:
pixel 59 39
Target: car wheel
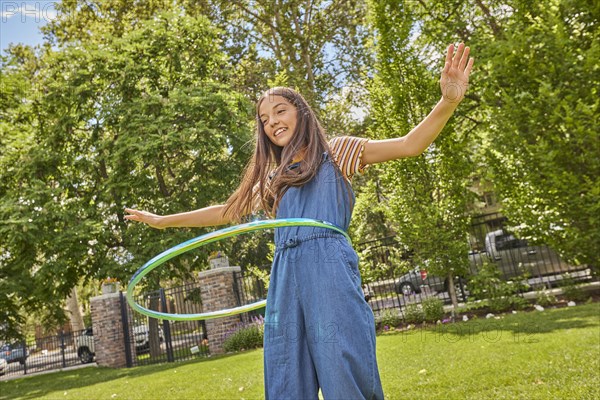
pixel 458 282
pixel 86 356
pixel 406 289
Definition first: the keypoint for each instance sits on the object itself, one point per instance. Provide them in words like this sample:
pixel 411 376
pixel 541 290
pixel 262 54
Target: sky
pixel 20 21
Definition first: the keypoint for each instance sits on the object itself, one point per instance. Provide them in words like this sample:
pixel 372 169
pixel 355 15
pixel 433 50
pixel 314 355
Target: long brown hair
pixel 309 136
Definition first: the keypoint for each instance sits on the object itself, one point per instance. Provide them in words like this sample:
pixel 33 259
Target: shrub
pixel 389 318
pixel 500 294
pixel 433 309
pixel 545 298
pixel 573 292
pixel 413 314
pixel 247 337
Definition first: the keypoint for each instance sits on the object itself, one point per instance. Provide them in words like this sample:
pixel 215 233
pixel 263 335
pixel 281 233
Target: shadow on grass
pixel 524 324
pixel 36 386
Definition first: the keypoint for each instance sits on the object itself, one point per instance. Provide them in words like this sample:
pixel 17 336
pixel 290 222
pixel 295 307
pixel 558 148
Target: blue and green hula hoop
pixel 204 240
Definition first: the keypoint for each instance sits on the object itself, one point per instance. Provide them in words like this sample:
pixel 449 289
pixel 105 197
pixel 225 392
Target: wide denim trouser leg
pixel 289 370
pixel 322 333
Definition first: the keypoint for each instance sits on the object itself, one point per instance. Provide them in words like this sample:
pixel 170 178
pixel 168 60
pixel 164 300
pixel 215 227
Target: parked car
pixel 85 346
pixel 413 280
pixel 141 334
pixel 3 366
pixel 513 257
pixel 14 352
pixel 85 342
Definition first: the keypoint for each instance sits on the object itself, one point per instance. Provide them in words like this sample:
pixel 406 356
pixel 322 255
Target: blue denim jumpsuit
pixel 319 330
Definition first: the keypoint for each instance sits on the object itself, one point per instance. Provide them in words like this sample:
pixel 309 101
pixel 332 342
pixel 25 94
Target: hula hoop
pixel 204 240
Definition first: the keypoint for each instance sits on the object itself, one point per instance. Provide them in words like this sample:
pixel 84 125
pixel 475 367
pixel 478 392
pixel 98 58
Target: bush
pixel 413 314
pixel 247 337
pixel 433 309
pixel 545 298
pixel 500 294
pixel 389 318
pixel 572 292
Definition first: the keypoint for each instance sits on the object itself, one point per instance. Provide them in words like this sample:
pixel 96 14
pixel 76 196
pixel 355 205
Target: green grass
pixel 548 355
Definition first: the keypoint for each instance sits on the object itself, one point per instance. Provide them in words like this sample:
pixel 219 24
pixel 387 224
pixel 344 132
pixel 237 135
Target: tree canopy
pixel 139 120
pixel 149 104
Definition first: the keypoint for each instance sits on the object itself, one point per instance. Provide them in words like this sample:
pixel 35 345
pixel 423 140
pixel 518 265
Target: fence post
pixel 109 331
pixel 167 328
pixel 217 293
pixel 24 347
pixel 127 339
pixel 62 348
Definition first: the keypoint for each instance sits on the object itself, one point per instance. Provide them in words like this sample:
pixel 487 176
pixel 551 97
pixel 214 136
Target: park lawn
pixel 533 355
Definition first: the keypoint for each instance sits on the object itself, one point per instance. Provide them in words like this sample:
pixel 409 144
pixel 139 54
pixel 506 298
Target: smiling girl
pixel 319 330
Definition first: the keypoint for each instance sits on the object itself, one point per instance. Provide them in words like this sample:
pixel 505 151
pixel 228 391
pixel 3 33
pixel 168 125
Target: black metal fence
pixel 39 355
pixel 158 341
pixel 152 341
pixel 400 282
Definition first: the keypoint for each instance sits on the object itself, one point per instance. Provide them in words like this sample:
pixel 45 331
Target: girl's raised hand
pixel 146 217
pixel 454 81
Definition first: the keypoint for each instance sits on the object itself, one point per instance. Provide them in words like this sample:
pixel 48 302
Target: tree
pixel 316 46
pixel 428 195
pixel 541 90
pixel 536 136
pixel 15 137
pixel 136 120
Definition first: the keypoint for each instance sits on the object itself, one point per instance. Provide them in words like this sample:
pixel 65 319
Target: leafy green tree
pixel 536 135
pixel 316 46
pixel 541 90
pixel 137 120
pixel 427 196
pixel 16 136
pixel 100 21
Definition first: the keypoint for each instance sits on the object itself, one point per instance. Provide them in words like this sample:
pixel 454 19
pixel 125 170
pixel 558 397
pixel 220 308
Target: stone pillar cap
pixel 217 271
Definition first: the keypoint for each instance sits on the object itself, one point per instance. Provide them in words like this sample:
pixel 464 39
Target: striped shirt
pixel 346 152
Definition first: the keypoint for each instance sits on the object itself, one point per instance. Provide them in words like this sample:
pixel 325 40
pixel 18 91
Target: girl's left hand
pixel 454 81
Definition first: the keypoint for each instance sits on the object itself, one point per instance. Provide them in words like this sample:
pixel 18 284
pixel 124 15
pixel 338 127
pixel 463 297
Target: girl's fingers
pixel 134 215
pixel 460 60
pixel 459 51
pixel 464 59
pixel 449 53
pixel 469 66
pixel 138 213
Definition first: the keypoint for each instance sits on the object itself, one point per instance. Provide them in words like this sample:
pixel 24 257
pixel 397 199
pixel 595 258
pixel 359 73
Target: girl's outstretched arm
pixel 208 216
pixel 453 83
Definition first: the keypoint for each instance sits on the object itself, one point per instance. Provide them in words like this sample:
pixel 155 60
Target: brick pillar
pixel 109 340
pixel 217 292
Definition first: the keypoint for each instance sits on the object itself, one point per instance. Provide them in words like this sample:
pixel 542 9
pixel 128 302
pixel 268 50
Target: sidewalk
pixel 6 378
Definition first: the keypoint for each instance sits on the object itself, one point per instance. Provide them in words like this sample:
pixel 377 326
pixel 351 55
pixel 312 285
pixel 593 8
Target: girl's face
pixel 278 117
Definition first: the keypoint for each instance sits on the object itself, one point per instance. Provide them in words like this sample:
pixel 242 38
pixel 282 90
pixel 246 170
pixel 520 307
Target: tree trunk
pixel 74 311
pixel 452 291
